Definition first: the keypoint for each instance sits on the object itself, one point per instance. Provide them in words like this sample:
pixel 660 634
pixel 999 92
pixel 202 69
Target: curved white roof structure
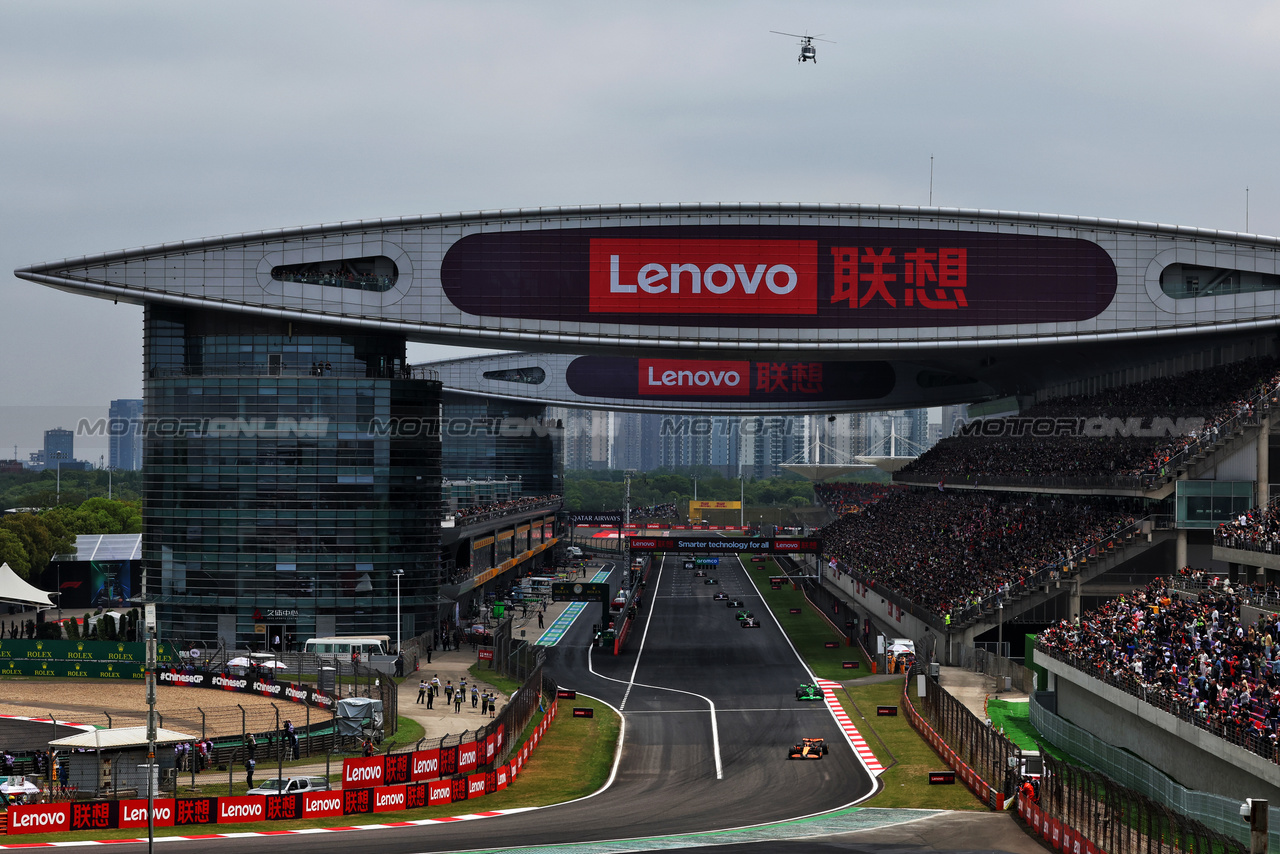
pixel 998 301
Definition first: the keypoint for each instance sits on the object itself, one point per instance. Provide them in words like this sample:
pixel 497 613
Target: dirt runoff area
pixel 107 703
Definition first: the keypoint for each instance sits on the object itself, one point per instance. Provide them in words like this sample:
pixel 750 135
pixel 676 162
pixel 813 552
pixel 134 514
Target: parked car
pixel 290 786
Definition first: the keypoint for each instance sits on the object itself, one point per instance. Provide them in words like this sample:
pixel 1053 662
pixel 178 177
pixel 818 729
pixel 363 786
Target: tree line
pixel 604 490
pixel 28 541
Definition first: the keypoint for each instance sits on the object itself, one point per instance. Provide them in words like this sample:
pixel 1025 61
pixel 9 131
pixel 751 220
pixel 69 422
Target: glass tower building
pixel 291 468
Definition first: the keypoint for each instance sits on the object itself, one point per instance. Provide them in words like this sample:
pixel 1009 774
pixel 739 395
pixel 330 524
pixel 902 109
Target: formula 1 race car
pixel 808 748
pixel 749 623
pixel 702 573
pixel 735 603
pixel 809 691
pixel 720 595
pixel 711 581
pixel 744 614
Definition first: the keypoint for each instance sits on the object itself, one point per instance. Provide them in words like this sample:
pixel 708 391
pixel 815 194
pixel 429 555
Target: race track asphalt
pixel 709 712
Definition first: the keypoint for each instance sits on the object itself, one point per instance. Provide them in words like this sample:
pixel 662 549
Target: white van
pixel 574 552
pixel 335 648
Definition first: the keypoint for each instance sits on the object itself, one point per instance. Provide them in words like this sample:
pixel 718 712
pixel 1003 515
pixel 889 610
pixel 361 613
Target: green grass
pixel 897 745
pixel 809 631
pixel 408 732
pixel 1016 720
pixel 482 673
pixel 907 757
pixel 572 760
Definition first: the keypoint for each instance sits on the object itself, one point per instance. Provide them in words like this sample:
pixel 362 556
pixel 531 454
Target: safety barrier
pixel 1058 834
pixel 991 795
pixel 419 785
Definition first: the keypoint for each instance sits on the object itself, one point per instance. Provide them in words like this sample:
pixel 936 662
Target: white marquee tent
pixel 16 590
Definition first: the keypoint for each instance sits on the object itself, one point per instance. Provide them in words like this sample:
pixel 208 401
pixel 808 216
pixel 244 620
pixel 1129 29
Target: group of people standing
pixel 482 702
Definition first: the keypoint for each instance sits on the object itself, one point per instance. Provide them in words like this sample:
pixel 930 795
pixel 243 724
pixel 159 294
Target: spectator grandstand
pixel 501 508
pixel 1222 396
pixel 1182 646
pixel 656 511
pixel 948 552
pixel 840 498
pixel 1257 530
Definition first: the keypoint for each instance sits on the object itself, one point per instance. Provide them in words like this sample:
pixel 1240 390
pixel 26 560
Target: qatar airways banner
pixel 779 276
pixel 642 379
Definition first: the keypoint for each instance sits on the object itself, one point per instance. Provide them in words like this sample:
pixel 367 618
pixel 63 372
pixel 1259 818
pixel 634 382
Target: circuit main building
pixel 275 361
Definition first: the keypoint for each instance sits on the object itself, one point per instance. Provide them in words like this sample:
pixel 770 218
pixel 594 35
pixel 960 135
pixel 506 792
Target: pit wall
pixel 394 782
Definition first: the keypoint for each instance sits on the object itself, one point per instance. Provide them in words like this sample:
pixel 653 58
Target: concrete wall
pixel 886 618
pixel 1188 754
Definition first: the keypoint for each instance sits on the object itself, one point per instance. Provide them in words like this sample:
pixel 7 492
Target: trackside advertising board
pixel 726 545
pixel 369 797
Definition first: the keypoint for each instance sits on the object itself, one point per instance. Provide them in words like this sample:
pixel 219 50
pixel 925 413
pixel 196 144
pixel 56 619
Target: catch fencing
pixel 1119 820
pixel 512 718
pixel 1217 813
pixel 977 659
pixel 994 758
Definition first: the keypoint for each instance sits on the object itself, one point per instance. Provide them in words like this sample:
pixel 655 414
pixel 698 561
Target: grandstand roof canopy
pixel 937 305
pixel 818 472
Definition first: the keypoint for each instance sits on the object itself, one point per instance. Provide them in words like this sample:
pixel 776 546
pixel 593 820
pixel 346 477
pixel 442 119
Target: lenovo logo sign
pixel 669 276
pixel 672 377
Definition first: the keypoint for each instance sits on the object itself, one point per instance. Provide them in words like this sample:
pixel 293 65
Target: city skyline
pixel 177 152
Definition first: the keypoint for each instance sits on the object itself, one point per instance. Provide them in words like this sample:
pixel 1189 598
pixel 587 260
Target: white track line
pixel 851 734
pixel 715 725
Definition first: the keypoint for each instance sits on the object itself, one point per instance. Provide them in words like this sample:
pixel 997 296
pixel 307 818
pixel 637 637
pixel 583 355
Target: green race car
pixel 744 615
pixel 809 691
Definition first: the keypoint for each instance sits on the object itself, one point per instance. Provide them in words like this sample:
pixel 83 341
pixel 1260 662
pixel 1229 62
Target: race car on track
pixel 749 623
pixel 808 748
pixel 711 581
pixel 735 603
pixel 809 691
pixel 744 614
pixel 702 573
pixel 720 595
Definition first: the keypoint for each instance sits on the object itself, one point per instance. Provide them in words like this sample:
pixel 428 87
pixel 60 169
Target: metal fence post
pixel 279 744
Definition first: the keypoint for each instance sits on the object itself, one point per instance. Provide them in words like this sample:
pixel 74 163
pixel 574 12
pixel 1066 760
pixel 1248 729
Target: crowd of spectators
pixel 948 551
pixel 510 505
pixel 1187 651
pixel 656 511
pixel 1257 530
pixel 1215 395
pixel 841 498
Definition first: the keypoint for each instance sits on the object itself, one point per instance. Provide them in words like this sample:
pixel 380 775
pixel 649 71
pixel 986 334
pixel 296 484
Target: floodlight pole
pixel 150 621
pixel 398 573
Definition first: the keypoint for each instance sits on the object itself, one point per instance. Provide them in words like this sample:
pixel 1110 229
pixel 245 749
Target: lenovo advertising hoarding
pixel 727 379
pixel 810 277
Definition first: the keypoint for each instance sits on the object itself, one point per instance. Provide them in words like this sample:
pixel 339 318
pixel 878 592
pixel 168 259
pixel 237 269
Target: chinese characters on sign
pixel 798 377
pixel 933 279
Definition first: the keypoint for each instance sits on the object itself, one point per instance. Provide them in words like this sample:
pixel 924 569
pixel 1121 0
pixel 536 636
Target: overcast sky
pixel 130 123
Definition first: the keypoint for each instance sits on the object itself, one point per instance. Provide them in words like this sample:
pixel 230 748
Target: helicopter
pixel 807 50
